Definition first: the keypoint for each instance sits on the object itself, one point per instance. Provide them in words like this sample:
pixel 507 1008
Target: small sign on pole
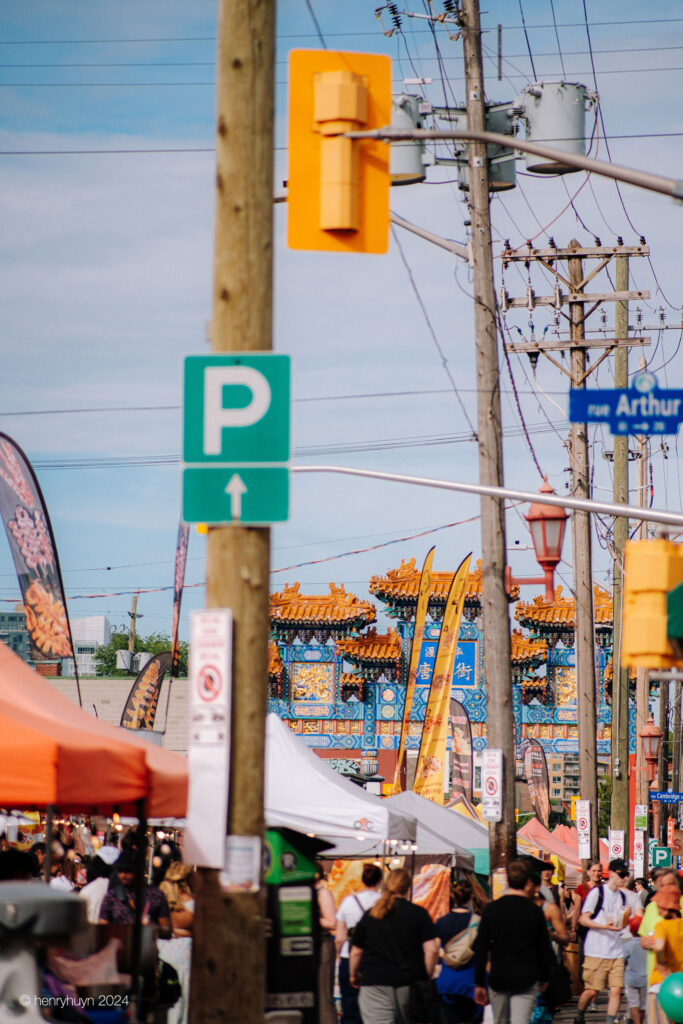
pixel 583 827
pixel 209 739
pixel 640 817
pixel 616 843
pixel 639 854
pixel 492 784
pixel 670 825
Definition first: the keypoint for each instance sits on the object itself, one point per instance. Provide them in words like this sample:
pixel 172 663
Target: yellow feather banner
pixel 429 777
pixel 424 593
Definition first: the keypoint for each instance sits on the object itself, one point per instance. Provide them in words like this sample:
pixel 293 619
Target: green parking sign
pixel 236 438
pixel 660 857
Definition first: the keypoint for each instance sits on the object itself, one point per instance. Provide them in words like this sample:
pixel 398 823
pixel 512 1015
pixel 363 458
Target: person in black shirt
pixel 513 936
pixel 393 944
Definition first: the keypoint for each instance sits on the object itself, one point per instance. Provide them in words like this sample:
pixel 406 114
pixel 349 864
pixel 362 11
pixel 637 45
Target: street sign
pixel 492 784
pixel 639 853
pixel 661 857
pixel 666 796
pixel 220 494
pixel 236 438
pixel 583 827
pixel 643 408
pixel 616 843
pixel 210 686
pixel 640 816
pixel 677 843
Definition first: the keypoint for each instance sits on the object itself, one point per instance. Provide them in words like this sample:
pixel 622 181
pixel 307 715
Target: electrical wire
pixel 316 23
pixel 528 44
pixel 442 355
pixel 557 37
pixel 517 402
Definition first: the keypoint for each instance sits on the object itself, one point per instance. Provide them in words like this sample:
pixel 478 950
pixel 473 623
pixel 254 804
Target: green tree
pixel 155 643
pixel 604 805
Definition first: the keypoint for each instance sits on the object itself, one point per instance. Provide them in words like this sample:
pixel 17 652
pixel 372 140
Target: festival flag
pixel 178 583
pixel 31 541
pixel 141 706
pixel 429 778
pixel 399 783
pixel 461 753
pixel 536 772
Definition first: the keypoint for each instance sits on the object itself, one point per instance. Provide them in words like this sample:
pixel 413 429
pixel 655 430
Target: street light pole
pixel 500 723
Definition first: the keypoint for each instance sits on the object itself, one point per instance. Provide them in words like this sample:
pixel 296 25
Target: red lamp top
pixel 651 736
pixel 546 524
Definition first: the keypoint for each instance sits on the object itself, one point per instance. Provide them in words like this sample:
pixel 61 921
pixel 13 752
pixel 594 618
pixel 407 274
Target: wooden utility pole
pixel 584 635
pixel 642 674
pixel 664 749
pixel 228 956
pixel 133 616
pixel 676 726
pixel 500 723
pixel 620 817
pixel 577 299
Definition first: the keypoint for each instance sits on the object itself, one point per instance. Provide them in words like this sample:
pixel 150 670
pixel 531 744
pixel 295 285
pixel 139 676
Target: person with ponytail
pixel 455 985
pixel 393 945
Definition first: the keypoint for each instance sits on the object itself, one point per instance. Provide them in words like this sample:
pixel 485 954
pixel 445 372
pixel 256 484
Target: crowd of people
pixel 105 878
pixel 507 955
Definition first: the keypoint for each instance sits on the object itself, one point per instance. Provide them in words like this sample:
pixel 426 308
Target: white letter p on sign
pixel 216 416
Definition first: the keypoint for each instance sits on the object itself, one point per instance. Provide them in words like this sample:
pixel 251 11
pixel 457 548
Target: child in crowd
pixel 635 974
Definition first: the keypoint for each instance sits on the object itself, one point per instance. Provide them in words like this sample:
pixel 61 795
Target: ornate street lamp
pixel 546 524
pixel 651 738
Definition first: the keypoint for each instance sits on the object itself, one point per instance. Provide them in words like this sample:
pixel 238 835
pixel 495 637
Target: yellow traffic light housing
pixel 338 188
pixel 652 568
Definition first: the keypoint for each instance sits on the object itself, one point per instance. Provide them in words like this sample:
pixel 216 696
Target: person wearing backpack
pixel 351 910
pixel 457 933
pixel 604 914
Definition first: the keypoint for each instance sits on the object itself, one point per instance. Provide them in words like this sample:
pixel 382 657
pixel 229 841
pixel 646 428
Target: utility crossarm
pixel 650 515
pixel 641 179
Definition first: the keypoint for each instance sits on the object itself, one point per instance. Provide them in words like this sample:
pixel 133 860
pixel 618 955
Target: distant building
pixel 88 634
pixel 14 633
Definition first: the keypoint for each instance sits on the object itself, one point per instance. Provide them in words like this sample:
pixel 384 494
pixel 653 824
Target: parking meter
pixel 293 930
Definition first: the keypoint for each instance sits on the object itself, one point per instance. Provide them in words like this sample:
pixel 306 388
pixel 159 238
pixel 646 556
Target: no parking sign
pixel 492 784
pixel 583 827
pixel 616 844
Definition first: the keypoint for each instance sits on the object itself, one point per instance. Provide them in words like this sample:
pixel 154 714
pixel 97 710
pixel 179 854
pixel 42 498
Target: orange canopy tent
pixel 53 752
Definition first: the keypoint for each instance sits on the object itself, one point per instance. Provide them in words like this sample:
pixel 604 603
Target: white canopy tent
pixel 439 831
pixel 302 793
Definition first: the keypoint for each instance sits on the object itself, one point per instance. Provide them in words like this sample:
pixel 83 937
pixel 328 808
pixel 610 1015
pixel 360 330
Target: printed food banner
pixel 429 777
pixel 34 552
pixel 141 706
pixel 178 583
pixel 536 772
pixel 399 783
pixel 461 754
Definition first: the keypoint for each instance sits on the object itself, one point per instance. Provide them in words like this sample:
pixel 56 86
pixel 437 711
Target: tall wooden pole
pixel 584 642
pixel 676 726
pixel 664 751
pixel 499 716
pixel 620 817
pixel 642 674
pixel 228 957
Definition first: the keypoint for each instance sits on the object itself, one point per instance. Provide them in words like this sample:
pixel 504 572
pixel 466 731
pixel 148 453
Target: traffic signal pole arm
pixel 651 515
pixel 641 179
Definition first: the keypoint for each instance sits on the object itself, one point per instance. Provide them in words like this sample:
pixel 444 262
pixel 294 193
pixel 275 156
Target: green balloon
pixel 671 997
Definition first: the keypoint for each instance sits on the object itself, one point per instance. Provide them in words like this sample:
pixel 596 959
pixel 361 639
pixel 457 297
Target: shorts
pixel 636 996
pixel 600 973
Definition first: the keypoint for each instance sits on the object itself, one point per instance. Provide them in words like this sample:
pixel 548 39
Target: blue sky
pixel 105 285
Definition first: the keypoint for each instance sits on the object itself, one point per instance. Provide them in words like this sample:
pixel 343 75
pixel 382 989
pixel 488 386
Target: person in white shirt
pixel 604 914
pixel 350 911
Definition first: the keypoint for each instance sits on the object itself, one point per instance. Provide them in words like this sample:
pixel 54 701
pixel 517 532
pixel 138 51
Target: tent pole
pixel 48 843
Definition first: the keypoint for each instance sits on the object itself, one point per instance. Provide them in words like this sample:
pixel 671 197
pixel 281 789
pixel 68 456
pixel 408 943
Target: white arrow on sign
pixel 235 489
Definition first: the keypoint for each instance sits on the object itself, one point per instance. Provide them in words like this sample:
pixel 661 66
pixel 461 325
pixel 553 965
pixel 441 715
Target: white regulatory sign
pixel 209 736
pixel 492 784
pixel 583 827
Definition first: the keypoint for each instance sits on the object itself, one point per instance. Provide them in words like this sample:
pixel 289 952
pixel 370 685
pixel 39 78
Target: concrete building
pixel 13 631
pixel 88 633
